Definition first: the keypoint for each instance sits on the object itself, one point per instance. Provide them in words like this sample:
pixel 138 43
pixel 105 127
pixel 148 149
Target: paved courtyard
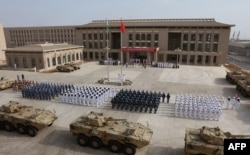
pixel 169 131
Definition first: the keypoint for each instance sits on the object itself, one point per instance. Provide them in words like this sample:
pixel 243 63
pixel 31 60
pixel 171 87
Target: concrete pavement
pixel 169 131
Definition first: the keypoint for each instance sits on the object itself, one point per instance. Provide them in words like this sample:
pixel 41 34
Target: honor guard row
pixel 44 91
pixel 20 84
pixel 138 101
pixel 198 107
pixel 86 95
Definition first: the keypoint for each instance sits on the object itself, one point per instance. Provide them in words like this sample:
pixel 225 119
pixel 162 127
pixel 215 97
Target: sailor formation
pixel 198 106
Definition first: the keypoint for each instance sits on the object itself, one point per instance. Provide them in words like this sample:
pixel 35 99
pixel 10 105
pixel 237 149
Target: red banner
pixel 139 49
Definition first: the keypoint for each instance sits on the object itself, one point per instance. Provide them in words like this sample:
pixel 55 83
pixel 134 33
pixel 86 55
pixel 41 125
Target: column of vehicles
pixel 68 67
pixel 93 129
pixel 242 81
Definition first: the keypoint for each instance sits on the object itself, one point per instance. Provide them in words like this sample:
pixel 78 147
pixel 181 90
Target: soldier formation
pixel 138 101
pixel 198 106
pixel 21 84
pixel 86 95
pixel 165 65
pixel 44 91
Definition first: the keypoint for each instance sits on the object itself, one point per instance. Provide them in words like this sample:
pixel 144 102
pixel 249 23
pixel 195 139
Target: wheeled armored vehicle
pixel 5 83
pixel 207 141
pixel 65 68
pixel 26 119
pixel 119 135
pixel 74 65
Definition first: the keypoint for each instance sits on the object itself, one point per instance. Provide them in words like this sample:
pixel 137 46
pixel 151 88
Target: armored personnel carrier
pixel 25 119
pixel 74 65
pixel 243 86
pixel 234 76
pixel 64 68
pixel 5 83
pixel 119 135
pixel 207 141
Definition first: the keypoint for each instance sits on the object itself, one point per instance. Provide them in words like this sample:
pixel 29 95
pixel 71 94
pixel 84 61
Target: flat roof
pixel 43 47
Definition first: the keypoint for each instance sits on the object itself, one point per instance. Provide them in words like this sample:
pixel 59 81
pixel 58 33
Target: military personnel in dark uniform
pixel 168 97
pixel 163 97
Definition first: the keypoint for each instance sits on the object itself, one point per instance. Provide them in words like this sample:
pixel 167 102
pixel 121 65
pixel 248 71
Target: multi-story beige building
pixel 2 45
pixel 43 57
pixel 21 36
pixel 184 41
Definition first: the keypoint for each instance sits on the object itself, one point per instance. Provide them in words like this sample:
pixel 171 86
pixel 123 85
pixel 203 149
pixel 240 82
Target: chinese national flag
pixel 122 27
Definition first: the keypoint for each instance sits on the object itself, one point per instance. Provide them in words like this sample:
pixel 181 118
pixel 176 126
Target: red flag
pixel 122 27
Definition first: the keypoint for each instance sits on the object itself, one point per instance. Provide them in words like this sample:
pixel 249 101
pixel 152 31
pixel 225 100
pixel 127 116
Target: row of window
pixel 200 37
pixel 16 32
pixel 207 47
pixel 33 62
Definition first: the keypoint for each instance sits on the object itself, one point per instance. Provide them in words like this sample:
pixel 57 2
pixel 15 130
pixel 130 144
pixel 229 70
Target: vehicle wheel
pixel 82 140
pixel 21 129
pixel 115 146
pixel 95 143
pixel 31 131
pixel 8 126
pixel 129 149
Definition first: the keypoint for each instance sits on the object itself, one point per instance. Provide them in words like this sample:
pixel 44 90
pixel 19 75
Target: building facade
pixel 240 47
pixel 183 41
pixel 21 36
pixel 2 45
pixel 43 57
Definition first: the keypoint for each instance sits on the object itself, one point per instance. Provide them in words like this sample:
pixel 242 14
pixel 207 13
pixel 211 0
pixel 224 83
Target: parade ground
pixel 169 131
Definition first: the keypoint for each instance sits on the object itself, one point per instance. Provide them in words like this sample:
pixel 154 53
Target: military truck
pixel 207 141
pixel 5 83
pixel 243 86
pixel 74 65
pixel 119 135
pixel 234 76
pixel 65 68
pixel 26 119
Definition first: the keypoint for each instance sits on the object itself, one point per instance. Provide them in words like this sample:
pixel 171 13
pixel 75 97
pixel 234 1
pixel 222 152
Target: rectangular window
pixel 95 45
pixel 208 37
pixel 192 47
pixel 216 37
pixel 207 47
pixel 95 36
pixel 130 36
pixel 83 36
pixel 137 44
pixel 215 47
pixel 90 45
pixel 156 37
pixel 25 65
pixel 193 37
pixel 148 44
pixel 199 47
pixel 185 37
pixel 200 37
pixel 101 36
pixel 185 47
pixel 130 44
pixel 156 44
pixel 90 36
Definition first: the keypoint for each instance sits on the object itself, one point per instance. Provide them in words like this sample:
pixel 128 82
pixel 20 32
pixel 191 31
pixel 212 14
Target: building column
pixel 211 60
pixel 127 57
pixel 155 56
pixel 180 59
pixel 149 57
pixel 188 59
pixel 195 59
pixel 87 55
pixel 203 59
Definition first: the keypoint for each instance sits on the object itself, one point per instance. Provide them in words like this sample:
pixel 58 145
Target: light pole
pixel 107 50
pixel 177 51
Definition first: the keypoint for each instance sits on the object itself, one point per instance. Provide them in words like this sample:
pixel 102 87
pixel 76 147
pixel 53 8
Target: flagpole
pixel 121 61
pixel 107 55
